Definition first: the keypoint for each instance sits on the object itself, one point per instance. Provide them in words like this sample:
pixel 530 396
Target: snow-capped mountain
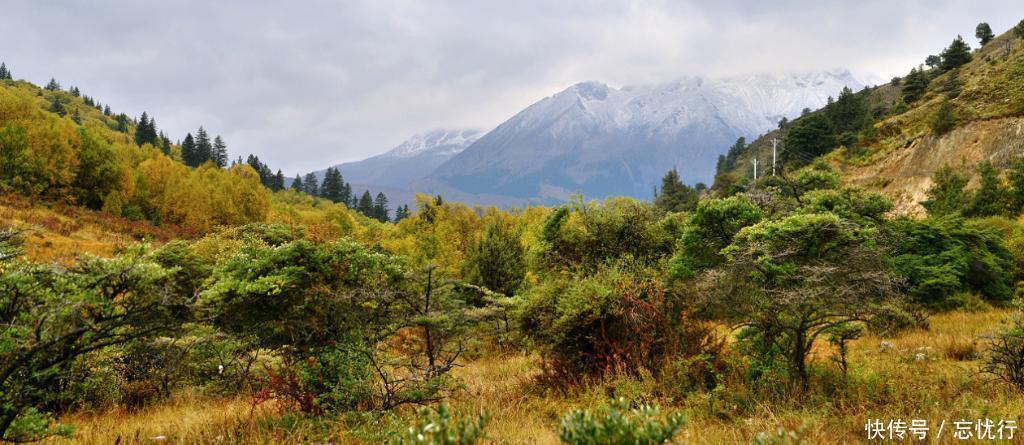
pixel 413 159
pixel 607 141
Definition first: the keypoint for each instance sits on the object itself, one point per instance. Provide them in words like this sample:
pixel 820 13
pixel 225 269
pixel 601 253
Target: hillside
pixel 900 153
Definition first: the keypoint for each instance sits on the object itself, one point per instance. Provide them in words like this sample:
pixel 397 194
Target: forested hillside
pixel 151 293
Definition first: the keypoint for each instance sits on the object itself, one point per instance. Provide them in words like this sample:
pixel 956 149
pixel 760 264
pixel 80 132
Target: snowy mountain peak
pixel 450 142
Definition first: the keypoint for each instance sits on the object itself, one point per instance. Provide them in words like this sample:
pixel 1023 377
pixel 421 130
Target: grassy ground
pixel 925 374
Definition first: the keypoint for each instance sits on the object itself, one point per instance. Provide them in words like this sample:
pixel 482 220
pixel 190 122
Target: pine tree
pixel 402 212
pixel 933 61
pixel 849 113
pixel 332 187
pixel 989 199
pixel 915 85
pixel 674 195
pixel 312 186
pixel 957 54
pixel 145 131
pixel 220 152
pixel 75 91
pixel 53 85
pixel 346 194
pixel 278 183
pixel 106 110
pixel 57 107
pixel 122 122
pixel 365 205
pixel 946 195
pixel 297 184
pixel 165 144
pixel 1018 30
pixel 943 120
pixel 76 117
pixel 188 151
pixel 5 74
pixel 984 33
pixel 380 207
pixel 1016 177
pixel 204 148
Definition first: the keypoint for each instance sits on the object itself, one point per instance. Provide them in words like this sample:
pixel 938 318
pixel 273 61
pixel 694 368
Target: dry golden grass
pixel 924 374
pixel 59 233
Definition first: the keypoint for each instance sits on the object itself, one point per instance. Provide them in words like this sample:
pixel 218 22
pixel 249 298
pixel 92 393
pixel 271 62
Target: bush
pixel 619 424
pixel 1005 359
pixel 442 428
pixel 621 318
pixel 329 380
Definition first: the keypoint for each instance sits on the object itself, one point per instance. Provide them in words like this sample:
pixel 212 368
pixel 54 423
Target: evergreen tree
pixel 57 107
pixel 1018 30
pixel 365 205
pixel 311 184
pixel 380 207
pixel 332 187
pixel 346 194
pixel 188 151
pixel 402 212
pixel 76 117
pixel 278 183
pixel 946 195
pixel 675 196
pixel 106 111
pixel 849 113
pixel 165 144
pixel 1016 177
pixel 810 137
pixel 204 148
pixel 943 120
pixel 989 199
pixel 220 152
pixel 915 85
pixel 145 131
pixel 122 123
pixel 957 54
pixel 53 85
pixel 984 33
pixel 75 91
pixel 297 184
pixel 933 61
pixel 5 74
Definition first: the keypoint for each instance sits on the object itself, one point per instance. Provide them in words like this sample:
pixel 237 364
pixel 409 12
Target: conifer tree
pixel 1018 30
pixel 278 183
pixel 76 116
pixel 220 152
pixel 380 207
pixel 57 107
pixel 933 61
pixel 204 148
pixel 914 85
pixel 145 130
pixel 402 212
pixel 984 33
pixel 943 120
pixel 365 205
pixel 106 111
pixel 957 54
pixel 165 144
pixel 122 123
pixel 5 74
pixel 988 200
pixel 53 85
pixel 297 184
pixel 674 196
pixel 332 187
pixel 188 151
pixel 1016 178
pixel 75 91
pixel 312 185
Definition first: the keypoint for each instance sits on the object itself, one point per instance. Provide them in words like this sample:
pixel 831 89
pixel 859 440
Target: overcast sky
pixel 306 84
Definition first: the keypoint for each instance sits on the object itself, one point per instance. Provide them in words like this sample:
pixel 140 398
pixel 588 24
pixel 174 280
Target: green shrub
pixel 1005 360
pixel 442 428
pixel 618 424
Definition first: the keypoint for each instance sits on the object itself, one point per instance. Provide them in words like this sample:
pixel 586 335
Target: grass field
pixel 928 374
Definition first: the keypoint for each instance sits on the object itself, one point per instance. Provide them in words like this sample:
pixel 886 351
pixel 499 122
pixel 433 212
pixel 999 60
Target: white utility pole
pixel 775 142
pixel 755 169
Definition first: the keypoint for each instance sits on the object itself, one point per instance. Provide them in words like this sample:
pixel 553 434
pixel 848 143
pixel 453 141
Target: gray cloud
pixel 311 83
